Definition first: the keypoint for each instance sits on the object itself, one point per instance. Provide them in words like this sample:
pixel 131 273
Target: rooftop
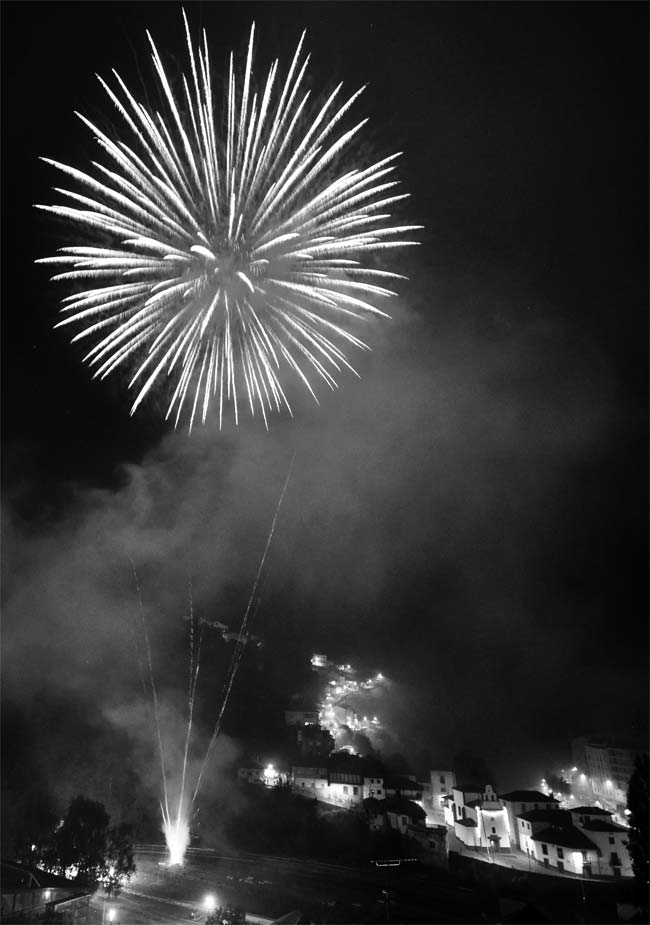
pixel 470 823
pixel 527 796
pixel 404 806
pixel 568 837
pixel 598 825
pixel 590 811
pixel 552 816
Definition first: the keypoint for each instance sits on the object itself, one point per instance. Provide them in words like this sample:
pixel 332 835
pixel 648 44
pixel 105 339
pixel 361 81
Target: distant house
pixel 403 786
pixel 477 817
pixel 608 766
pixel 310 782
pixel 442 784
pixel 532 822
pixel 610 839
pixel 395 813
pixel 305 716
pixel 581 841
pixel 30 895
pixel 568 849
pixel 251 772
pixel 313 741
pixel 523 801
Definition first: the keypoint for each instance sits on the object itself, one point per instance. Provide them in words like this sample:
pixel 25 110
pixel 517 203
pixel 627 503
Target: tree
pixel 637 804
pixel 226 915
pixel 84 846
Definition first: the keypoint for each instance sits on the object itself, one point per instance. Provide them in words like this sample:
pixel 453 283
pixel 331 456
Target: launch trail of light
pixel 154 693
pixel 181 828
pixel 239 648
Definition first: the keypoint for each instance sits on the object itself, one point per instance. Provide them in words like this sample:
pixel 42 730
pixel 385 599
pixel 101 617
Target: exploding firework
pixel 217 251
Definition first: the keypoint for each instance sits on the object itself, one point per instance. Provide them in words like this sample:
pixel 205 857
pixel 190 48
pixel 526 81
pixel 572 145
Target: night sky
pixel 470 517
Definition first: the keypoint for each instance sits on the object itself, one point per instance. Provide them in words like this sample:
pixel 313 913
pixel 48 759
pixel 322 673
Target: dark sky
pixel 470 517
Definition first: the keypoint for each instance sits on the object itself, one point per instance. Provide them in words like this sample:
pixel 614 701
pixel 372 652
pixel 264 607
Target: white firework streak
pixel 229 257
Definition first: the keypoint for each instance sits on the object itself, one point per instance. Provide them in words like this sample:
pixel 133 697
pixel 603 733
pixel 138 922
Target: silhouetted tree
pixel 637 803
pixel 226 915
pixel 85 843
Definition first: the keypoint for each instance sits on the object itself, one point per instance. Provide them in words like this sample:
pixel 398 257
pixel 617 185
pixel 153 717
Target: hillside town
pixel 579 829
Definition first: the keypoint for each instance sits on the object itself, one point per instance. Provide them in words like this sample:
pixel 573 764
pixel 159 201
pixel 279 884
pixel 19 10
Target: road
pixel 268 887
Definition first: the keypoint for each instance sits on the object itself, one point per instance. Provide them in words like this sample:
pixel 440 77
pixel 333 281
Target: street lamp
pixel 111 915
pixel 209 903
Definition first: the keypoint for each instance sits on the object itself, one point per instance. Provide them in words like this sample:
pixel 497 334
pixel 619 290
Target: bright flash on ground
pixel 177 837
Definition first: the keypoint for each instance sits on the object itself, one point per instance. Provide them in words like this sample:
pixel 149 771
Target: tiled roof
pixel 568 837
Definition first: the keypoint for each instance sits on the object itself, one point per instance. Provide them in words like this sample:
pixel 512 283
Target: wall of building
pixel 613 846
pixel 374 787
pixel 566 859
pixel 515 807
pixel 493 827
pixel 442 782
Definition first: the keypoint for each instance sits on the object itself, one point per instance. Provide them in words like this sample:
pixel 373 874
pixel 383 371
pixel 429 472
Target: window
pixel 355 791
pixel 544 849
pixel 442 779
pixel 403 820
pixel 560 852
pixel 379 792
pixel 345 789
pixel 494 831
pixel 560 865
pixel 611 840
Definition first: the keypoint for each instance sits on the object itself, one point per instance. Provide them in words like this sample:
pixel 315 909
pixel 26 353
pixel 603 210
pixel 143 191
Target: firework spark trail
pixel 239 648
pixel 194 675
pixel 154 693
pixel 211 262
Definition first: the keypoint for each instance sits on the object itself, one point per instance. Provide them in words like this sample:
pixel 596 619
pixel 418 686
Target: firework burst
pixel 211 258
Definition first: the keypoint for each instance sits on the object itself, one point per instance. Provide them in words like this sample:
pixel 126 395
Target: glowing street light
pixel 209 902
pixel 111 915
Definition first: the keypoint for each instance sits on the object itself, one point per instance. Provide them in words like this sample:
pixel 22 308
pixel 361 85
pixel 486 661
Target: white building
pixel 523 801
pixel 536 820
pixel 442 783
pixel 478 818
pixel 310 782
pixel 581 841
pixel 567 849
pixel 608 767
pixel 610 839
